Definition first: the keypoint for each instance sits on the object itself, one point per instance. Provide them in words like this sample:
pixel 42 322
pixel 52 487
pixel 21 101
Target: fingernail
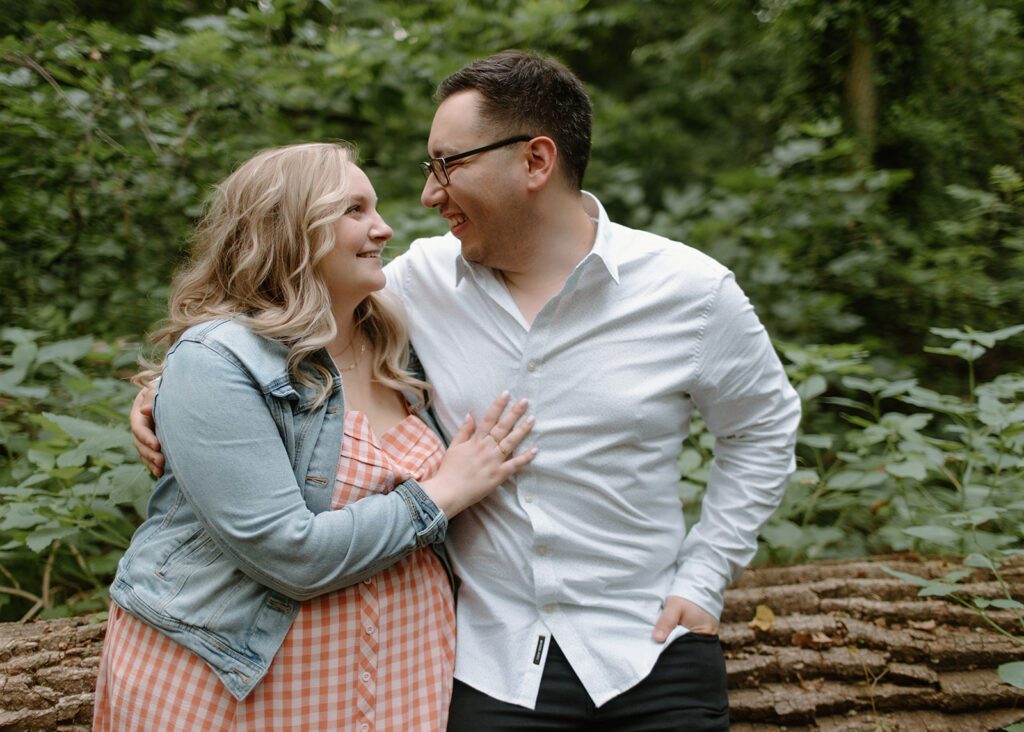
pixel 523 402
pixel 530 420
pixel 505 394
pixel 466 418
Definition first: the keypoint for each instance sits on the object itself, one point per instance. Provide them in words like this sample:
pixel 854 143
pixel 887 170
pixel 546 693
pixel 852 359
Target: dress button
pixel 531 366
pixel 528 498
pixel 549 608
pixel 542 551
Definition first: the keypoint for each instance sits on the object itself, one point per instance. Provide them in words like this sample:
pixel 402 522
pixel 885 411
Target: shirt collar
pixel 602 250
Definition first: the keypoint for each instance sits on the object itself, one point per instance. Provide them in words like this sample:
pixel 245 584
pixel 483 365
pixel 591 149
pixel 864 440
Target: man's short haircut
pixel 524 93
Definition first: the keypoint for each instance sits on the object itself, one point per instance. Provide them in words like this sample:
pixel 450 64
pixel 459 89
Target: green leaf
pixel 984 514
pixel 937 589
pixel 911 578
pixel 956 575
pixel 783 535
pixel 819 442
pixel 813 387
pixel 689 461
pixel 21 358
pixel 934 534
pixel 70 350
pixel 80 429
pixel 979 561
pixel 20 335
pixel 1007 604
pixel 1013 673
pixel 855 479
pixel 42 460
pixel 907 469
pixel 21 516
pixel 44 536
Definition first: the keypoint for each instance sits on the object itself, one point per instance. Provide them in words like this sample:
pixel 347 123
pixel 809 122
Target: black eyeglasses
pixel 439 166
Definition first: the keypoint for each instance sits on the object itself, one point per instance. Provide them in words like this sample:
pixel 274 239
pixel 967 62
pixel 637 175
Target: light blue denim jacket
pixel 239 528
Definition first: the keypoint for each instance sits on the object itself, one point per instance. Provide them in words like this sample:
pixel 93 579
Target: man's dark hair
pixel 524 93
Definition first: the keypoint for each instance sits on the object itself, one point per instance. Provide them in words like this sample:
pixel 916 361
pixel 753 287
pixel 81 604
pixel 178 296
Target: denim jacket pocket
pixel 194 553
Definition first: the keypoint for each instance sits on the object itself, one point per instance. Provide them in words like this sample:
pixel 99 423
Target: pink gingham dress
pixel 376 656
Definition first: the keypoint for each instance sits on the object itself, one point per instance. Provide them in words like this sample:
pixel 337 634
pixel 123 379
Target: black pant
pixel 686 690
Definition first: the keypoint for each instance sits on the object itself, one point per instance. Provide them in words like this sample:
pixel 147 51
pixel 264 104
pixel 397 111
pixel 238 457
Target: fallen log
pixel 844 648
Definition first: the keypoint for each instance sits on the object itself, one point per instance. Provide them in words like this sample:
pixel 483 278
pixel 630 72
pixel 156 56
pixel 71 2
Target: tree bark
pixel 861 95
pixel 845 648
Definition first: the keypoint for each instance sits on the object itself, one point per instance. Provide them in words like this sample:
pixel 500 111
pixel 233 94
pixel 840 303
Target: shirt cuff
pixel 428 520
pixel 702 586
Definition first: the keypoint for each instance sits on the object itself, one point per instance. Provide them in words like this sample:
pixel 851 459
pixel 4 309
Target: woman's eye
pixel 354 209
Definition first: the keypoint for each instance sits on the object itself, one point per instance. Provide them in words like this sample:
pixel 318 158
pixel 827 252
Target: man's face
pixel 480 200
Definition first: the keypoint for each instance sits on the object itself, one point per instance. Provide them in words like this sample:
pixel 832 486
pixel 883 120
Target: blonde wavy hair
pixel 255 259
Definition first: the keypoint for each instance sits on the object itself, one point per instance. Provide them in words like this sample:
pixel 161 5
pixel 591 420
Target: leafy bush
pixel 890 465
pixel 72 488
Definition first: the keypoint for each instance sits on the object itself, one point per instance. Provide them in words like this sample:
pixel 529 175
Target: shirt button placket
pixel 369 641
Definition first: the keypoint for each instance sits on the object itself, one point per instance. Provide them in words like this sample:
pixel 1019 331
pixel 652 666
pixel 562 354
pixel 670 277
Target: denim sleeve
pixel 224 450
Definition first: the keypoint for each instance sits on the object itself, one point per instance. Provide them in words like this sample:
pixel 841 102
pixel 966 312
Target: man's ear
pixel 541 156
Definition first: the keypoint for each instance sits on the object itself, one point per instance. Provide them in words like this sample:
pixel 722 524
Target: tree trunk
pixel 845 647
pixel 860 93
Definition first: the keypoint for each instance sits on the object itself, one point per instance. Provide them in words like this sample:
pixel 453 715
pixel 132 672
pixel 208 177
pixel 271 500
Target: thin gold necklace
pixel 355 361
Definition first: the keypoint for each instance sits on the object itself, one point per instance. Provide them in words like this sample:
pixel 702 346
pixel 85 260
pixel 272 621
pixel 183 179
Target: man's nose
pixel 433 192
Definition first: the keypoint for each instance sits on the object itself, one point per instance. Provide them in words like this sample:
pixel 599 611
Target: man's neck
pixel 564 238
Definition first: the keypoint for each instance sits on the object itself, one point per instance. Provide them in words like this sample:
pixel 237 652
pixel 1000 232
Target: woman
pixel 284 578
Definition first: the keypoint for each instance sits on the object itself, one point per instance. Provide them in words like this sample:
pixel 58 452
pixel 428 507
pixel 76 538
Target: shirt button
pixel 364 727
pixel 370 629
pixel 366 676
pixel 549 608
pixel 368 581
pixel 532 366
pixel 542 550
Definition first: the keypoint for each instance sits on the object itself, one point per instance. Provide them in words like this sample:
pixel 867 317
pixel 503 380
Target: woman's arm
pixel 225 450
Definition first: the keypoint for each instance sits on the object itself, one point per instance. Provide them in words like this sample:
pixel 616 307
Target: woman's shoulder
pixel 266 358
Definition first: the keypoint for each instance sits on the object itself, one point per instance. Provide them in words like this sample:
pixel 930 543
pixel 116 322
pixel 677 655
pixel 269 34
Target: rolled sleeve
pixel 429 520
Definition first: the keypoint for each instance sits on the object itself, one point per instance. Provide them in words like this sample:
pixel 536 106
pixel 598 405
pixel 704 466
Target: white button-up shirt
pixel 586 542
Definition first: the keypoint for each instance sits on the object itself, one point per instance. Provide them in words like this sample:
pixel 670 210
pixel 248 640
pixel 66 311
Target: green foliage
pixel 857 164
pixel 71 486
pixel 890 465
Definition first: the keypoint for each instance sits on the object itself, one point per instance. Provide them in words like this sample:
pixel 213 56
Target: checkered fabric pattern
pixel 376 656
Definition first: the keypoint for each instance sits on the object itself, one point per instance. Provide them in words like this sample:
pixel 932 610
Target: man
pixel 584 602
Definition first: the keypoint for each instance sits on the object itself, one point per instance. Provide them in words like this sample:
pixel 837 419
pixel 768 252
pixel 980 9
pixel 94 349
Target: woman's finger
pixel 508 420
pixel 154 461
pixel 513 464
pixel 493 412
pixel 464 431
pixel 511 441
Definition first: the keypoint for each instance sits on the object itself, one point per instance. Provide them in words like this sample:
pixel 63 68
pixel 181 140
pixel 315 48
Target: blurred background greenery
pixel 857 163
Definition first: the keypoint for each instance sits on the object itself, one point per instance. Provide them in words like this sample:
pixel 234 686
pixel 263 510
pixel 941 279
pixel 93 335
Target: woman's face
pixel 353 268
